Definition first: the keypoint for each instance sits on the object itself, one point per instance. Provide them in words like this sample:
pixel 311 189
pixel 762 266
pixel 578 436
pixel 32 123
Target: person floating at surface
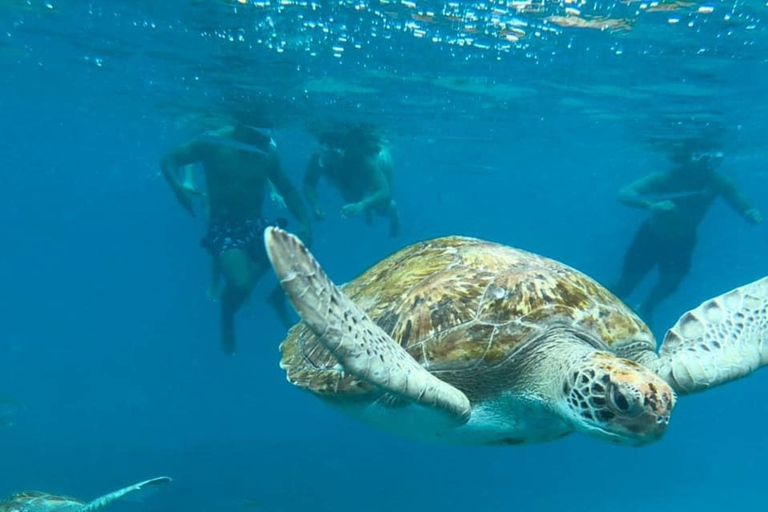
pixel 356 160
pixel 238 163
pixel 678 200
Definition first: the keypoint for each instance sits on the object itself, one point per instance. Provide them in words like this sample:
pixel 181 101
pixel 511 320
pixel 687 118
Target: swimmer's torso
pixel 351 174
pixel 235 181
pixel 692 197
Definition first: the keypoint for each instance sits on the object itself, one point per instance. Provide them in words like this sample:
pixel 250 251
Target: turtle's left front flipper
pixel 723 339
pixel 146 486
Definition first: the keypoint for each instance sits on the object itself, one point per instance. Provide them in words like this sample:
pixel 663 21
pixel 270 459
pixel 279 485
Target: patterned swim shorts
pixel 226 234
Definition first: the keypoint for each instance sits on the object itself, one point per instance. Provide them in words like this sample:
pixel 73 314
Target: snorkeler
pixel 355 160
pixel 238 162
pixel 678 200
pixel 189 183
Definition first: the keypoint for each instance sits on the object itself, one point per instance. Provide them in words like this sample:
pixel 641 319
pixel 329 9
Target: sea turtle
pixel 460 340
pixel 37 501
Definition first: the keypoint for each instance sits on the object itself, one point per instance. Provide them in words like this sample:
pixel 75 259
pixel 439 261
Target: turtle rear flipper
pixel 723 339
pixel 362 348
pixel 147 485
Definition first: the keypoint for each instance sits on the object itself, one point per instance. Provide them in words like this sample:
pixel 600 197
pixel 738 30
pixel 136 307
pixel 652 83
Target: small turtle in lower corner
pixel 459 340
pixel 37 501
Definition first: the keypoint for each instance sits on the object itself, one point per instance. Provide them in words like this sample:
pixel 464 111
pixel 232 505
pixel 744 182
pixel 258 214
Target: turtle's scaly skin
pixel 36 501
pixel 463 307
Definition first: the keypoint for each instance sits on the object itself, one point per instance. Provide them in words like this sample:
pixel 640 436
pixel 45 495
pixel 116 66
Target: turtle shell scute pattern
pixel 461 305
pixel 37 501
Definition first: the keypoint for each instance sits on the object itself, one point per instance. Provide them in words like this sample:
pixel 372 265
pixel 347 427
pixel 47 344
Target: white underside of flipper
pixel 723 339
pixel 141 487
pixel 505 420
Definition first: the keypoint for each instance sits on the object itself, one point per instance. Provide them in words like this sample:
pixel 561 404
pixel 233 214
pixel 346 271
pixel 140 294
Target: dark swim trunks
pixel 672 255
pixel 225 235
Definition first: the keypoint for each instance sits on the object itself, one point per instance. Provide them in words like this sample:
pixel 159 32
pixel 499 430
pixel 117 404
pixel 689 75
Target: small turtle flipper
pixel 723 339
pixel 362 348
pixel 102 501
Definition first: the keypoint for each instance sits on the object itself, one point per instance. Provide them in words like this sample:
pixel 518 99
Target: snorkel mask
pixel 257 130
pixel 250 138
pixel 707 158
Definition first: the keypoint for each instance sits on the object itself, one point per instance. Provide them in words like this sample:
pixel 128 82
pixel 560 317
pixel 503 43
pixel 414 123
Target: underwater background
pixel 516 122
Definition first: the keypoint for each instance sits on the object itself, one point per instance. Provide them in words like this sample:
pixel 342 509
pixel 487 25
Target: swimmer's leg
pixel 674 265
pixel 394 219
pixel 238 271
pixel 640 258
pixel 277 301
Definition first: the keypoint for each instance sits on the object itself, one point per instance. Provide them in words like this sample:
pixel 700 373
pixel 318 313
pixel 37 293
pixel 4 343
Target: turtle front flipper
pixel 102 501
pixel 362 348
pixel 723 339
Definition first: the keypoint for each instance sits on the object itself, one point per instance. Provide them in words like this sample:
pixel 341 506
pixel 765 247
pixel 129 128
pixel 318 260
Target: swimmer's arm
pixel 727 188
pixel 291 195
pixel 381 192
pixel 183 155
pixel 633 194
pixel 311 179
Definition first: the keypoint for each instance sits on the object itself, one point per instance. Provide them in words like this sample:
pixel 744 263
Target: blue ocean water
pixel 509 122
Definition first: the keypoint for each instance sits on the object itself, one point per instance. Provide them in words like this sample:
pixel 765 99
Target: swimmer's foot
pixel 394 221
pixel 278 303
pixel 228 343
pixel 646 313
pixel 212 291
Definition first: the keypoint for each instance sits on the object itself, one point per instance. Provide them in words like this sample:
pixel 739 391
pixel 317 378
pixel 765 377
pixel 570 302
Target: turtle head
pixel 617 399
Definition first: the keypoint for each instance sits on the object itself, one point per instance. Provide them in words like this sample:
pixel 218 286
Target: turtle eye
pixel 619 400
